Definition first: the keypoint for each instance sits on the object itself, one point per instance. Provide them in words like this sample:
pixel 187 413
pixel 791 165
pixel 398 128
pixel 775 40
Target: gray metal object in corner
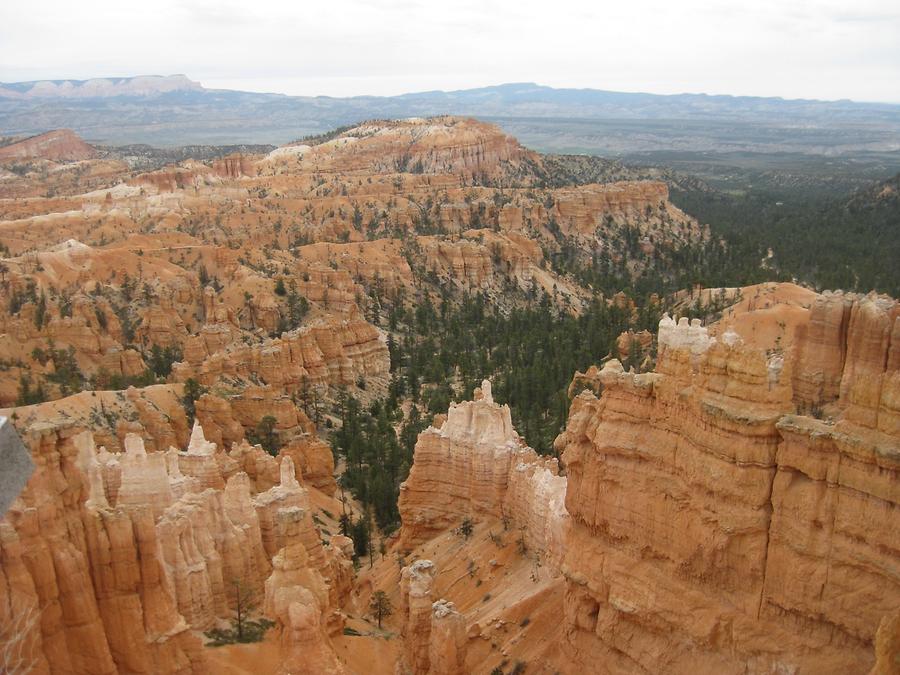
pixel 15 464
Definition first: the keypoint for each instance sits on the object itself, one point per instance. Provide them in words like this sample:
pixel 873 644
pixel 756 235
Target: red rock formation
pixel 216 416
pixel 92 570
pixel 821 350
pixel 447 648
pixel 143 480
pixel 259 465
pixel 334 353
pixel 475 463
pixel 297 596
pixel 58 145
pixel 434 633
pixel 120 557
pixel 415 616
pixel 624 343
pixel 582 209
pixel 847 356
pixel 233 166
pixel 869 383
pixel 314 460
pixel 161 325
pixel 711 529
pixel 330 562
pixel 449 145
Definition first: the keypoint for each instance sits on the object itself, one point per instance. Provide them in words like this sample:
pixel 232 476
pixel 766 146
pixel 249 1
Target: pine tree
pixel 380 605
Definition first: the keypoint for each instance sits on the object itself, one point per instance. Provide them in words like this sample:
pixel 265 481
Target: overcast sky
pixel 792 48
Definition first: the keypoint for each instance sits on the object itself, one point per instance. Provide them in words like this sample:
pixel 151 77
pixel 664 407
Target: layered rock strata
pixel 57 145
pixel 119 558
pixel 297 597
pixel 712 530
pixel 476 465
pixel 90 571
pixel 416 582
pixel 338 353
pixel 447 645
pixel 848 357
pixel 434 633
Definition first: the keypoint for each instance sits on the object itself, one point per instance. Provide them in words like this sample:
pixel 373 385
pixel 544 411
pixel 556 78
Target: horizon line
pixel 457 90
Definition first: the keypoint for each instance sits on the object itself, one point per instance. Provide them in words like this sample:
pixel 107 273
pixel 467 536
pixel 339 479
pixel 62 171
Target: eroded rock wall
pixel 119 557
pixel 90 571
pixel 334 353
pixel 712 529
pixel 476 465
pixel 416 598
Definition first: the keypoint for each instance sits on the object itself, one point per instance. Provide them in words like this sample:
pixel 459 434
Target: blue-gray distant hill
pixel 174 110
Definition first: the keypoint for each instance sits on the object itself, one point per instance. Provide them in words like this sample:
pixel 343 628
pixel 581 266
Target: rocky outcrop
pixel 91 571
pixel 821 350
pixel 713 530
pixel 288 494
pixel 434 633
pixel 154 412
pixel 314 460
pixel 233 166
pixel 330 562
pixel 161 325
pixel 447 648
pixel 416 583
pixel 297 597
pixel 120 557
pixel 448 145
pixel 216 415
pixel 870 383
pixel 143 480
pixel 475 465
pixel 848 354
pixel 58 145
pixel 582 209
pixel 333 353
pixel 263 469
pixel 630 344
pixel 465 261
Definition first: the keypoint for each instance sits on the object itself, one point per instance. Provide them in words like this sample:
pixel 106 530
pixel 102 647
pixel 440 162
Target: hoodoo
pixel 474 465
pixel 125 557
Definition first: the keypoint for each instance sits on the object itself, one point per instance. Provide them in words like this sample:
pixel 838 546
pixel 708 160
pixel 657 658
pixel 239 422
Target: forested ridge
pixel 849 242
pixel 443 353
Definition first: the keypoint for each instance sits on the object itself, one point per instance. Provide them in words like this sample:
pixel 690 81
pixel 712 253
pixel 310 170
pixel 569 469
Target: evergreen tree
pixel 380 606
pixel 192 391
pixel 266 436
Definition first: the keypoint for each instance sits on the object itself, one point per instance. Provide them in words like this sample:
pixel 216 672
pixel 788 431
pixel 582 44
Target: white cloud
pixel 820 49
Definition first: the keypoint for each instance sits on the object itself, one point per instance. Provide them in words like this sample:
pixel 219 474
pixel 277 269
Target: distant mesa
pixel 58 145
pixel 99 87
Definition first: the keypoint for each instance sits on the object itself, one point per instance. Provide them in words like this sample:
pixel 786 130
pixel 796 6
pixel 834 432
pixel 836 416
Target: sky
pixel 791 48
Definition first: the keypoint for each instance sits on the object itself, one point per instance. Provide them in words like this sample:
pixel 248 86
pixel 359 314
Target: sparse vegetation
pixel 266 435
pixel 243 629
pixel 192 391
pixel 380 606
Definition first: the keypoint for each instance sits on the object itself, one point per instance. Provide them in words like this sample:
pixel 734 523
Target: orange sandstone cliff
pixel 475 465
pixel 123 557
pixel 714 530
pixel 701 524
